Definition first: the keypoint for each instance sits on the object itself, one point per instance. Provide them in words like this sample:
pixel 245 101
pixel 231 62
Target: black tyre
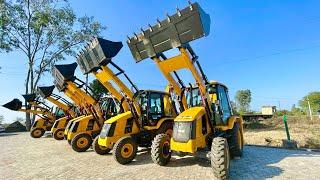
pixel 99 149
pixel 160 149
pixel 220 158
pixel 236 141
pixel 81 142
pixel 58 134
pixel 37 133
pixel 166 128
pixel 125 150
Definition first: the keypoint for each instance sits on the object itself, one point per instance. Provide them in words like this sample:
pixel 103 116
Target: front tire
pixel 220 158
pixel 81 142
pixel 125 150
pixel 160 149
pixel 58 134
pixel 99 149
pixel 37 133
pixel 236 141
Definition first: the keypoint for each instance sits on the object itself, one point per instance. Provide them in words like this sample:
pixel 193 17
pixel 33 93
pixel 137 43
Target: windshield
pixel 193 98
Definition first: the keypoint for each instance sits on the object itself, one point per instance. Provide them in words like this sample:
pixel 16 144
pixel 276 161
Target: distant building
pixel 268 110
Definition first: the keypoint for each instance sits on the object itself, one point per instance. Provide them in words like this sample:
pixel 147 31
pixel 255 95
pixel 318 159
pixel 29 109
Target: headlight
pixel 75 127
pixel 35 123
pixel 107 130
pixel 184 131
pixel 69 125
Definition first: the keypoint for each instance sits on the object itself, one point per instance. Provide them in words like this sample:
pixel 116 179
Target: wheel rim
pixel 127 150
pixel 169 132
pixel 37 132
pixel 60 134
pixel 82 142
pixel 239 139
pixel 166 149
pixel 102 147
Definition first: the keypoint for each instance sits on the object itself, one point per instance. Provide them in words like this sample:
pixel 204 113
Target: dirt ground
pixel 270 132
pixel 22 157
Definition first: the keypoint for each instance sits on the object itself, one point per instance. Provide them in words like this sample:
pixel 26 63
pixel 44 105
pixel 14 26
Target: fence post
pixel 285 118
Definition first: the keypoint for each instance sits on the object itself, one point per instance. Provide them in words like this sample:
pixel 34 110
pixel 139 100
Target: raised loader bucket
pixel 62 73
pixel 45 91
pixel 98 52
pixel 182 27
pixel 30 97
pixel 13 105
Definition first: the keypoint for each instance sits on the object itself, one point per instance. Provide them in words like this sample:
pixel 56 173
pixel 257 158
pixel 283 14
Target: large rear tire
pixel 81 142
pixel 58 134
pixel 220 158
pixel 37 133
pixel 236 141
pixel 125 150
pixel 99 149
pixel 160 149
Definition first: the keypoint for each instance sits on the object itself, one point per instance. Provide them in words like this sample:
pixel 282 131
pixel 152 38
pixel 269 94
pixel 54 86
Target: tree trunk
pixel 28 119
pixel 28 122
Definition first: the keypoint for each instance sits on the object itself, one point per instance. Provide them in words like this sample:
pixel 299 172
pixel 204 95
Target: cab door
pixel 224 107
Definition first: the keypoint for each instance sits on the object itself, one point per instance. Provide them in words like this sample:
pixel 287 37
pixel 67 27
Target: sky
pixel 270 47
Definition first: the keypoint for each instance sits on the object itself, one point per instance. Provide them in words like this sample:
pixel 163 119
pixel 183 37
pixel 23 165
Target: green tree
pixel 98 90
pixel 314 100
pixel 296 111
pixel 234 107
pixel 243 100
pixel 45 31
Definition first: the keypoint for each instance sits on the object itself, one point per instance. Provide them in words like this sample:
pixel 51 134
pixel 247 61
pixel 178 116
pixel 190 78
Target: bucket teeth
pixel 96 53
pixel 174 31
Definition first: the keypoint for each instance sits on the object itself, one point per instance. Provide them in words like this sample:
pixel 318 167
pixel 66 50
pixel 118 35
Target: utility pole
pixel 310 111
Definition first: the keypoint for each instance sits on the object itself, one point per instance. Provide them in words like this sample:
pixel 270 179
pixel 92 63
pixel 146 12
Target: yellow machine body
pixel 124 125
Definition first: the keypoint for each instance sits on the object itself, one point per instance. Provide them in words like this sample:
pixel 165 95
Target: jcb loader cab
pixel 38 108
pixel 69 109
pixel 206 122
pixel 146 112
pixel 82 130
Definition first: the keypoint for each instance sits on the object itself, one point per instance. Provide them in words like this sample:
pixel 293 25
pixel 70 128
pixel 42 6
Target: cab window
pixel 156 109
pixel 224 103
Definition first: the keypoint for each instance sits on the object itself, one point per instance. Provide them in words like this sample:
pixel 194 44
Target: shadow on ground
pixel 256 163
pixel 7 134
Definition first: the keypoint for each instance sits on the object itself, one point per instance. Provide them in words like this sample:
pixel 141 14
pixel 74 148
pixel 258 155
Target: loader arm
pixel 96 59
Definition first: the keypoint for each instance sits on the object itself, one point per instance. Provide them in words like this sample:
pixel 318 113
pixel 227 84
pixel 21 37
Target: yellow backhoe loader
pixel 207 123
pixel 40 109
pixel 46 92
pixel 80 131
pixel 148 112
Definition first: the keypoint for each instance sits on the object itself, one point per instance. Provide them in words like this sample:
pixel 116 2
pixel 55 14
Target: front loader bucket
pixel 182 27
pixel 30 97
pixel 64 72
pixel 13 105
pixel 45 91
pixel 98 52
